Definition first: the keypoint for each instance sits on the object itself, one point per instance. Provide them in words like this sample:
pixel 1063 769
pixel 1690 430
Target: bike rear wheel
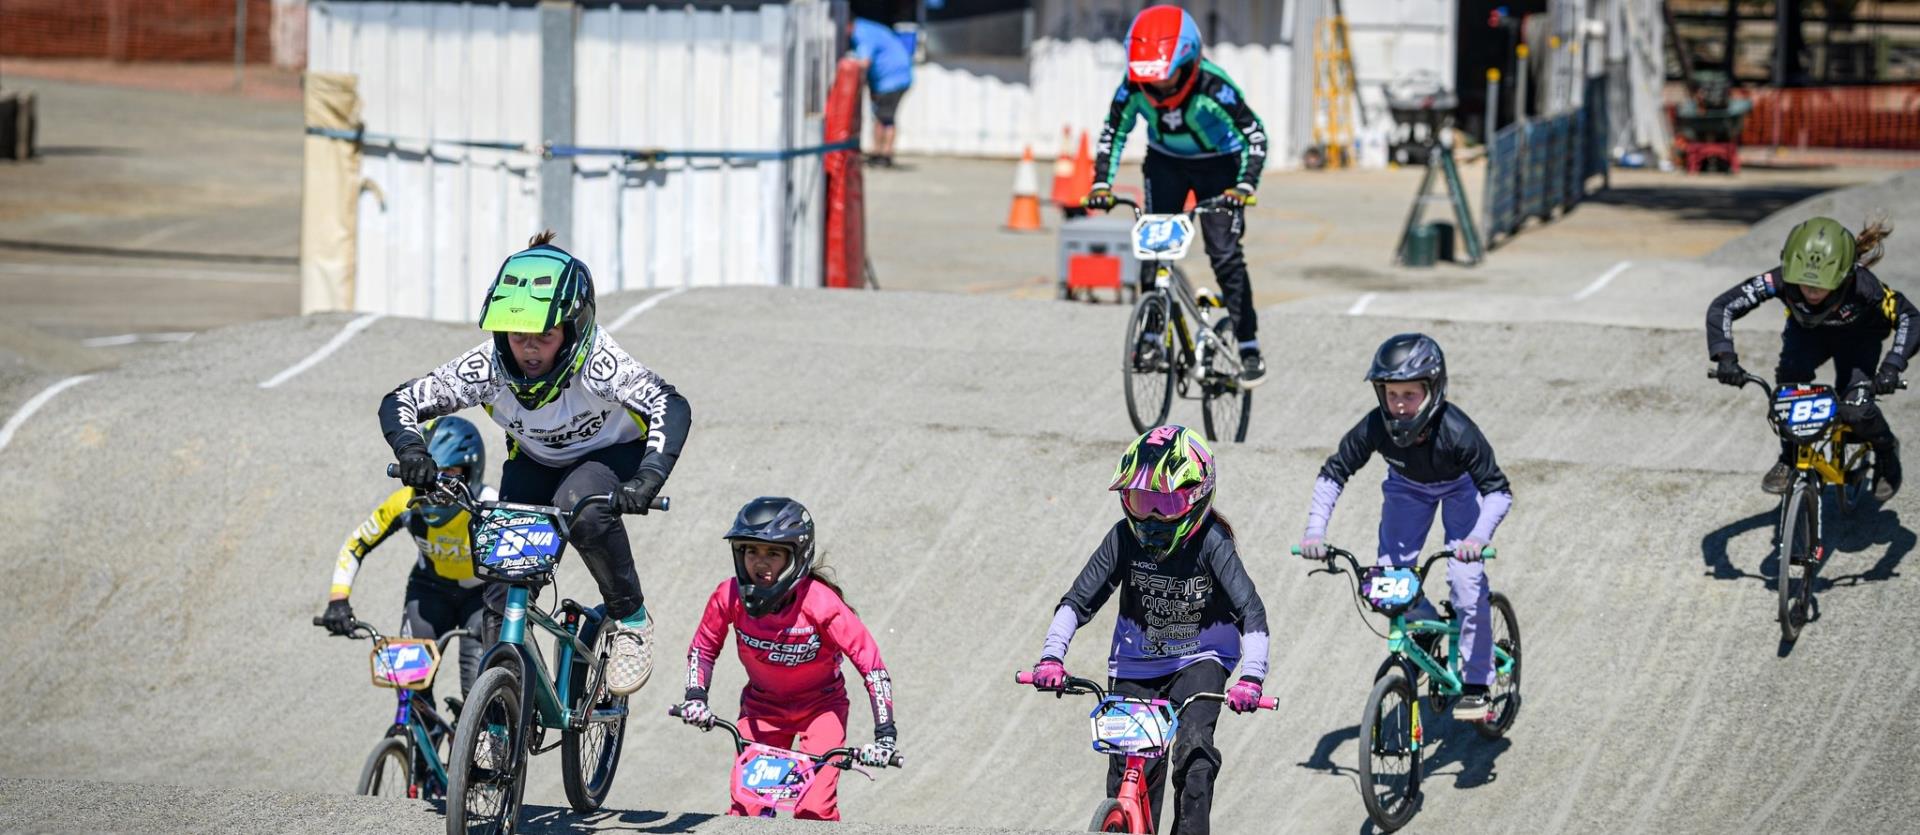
pixel 1148 362
pixel 487 773
pixel 1224 404
pixel 590 756
pixel 1110 816
pixel 1856 463
pixel 1505 692
pixel 388 771
pixel 1799 557
pixel 1390 752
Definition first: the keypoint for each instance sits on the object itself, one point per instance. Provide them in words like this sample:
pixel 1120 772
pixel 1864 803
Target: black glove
pixel 637 495
pixel 338 618
pixel 1729 372
pixel 417 469
pixel 1854 406
pixel 1101 197
pixel 1887 381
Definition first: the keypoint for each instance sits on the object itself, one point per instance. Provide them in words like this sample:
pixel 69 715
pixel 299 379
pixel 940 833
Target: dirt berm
pixel 172 526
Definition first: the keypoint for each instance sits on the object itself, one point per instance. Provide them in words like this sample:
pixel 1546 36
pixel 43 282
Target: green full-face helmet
pixel 1819 253
pixel 537 289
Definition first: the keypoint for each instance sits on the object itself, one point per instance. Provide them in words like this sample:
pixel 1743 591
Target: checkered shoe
pixel 629 652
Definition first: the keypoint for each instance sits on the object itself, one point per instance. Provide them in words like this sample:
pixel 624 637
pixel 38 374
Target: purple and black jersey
pixel 1196 605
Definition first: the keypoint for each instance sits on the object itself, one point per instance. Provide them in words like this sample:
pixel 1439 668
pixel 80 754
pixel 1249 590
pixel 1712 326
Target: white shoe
pixel 629 652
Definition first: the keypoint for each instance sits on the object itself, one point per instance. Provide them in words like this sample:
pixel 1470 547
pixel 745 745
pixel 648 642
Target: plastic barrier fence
pixel 1541 167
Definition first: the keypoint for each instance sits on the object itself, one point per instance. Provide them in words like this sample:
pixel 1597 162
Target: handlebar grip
pixel 1295 550
pixel 393 471
pixel 1269 703
pixel 1488 553
pixel 319 621
pixel 660 503
pixel 674 711
pixel 1021 677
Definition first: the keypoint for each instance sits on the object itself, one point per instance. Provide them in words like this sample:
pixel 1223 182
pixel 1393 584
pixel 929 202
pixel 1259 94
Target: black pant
pixel 597 533
pixel 1855 352
pixel 435 607
pixel 1195 761
pixel 1169 178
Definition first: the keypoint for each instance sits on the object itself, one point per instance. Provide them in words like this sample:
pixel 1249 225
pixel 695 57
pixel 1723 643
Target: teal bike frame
pixel 1404 651
pixel 546 688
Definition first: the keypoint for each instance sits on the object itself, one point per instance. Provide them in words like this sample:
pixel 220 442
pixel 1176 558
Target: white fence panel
pixel 435 219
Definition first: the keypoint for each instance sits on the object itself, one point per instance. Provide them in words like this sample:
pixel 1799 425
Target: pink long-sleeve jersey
pixel 792 656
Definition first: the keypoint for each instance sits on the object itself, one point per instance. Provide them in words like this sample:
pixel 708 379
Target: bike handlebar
pixel 373 633
pixel 1216 203
pixel 464 498
pixel 1766 385
pixel 1074 686
pixel 841 758
pixel 1486 553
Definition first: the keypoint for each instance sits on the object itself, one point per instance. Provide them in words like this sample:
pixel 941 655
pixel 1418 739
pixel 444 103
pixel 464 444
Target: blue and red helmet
pixel 1163 44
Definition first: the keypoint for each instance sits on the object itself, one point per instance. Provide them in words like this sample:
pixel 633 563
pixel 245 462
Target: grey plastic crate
pixel 1098 235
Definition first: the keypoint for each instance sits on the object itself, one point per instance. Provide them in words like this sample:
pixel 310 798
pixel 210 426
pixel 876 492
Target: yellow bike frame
pixel 1823 457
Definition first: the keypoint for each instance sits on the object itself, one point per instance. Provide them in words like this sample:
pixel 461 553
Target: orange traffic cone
pixel 1064 167
pixel 1024 216
pixel 1083 167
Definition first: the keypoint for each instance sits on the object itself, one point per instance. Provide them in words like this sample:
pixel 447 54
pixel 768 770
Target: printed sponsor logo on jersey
pixel 789 654
pixel 880 684
pixel 476 368
pixel 601 368
pixel 1173 119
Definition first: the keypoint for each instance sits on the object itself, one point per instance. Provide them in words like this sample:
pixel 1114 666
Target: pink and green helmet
pixel 1165 480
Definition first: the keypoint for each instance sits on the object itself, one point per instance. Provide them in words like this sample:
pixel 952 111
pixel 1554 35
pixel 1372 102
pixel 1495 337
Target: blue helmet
pixel 775 520
pixel 454 442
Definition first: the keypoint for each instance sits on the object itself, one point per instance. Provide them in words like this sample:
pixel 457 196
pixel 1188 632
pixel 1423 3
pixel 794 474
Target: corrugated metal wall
pixel 438 217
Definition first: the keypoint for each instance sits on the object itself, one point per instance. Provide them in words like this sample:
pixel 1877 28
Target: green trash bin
pixel 1422 246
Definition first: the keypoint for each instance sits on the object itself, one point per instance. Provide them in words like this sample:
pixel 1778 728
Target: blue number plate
pixel 762 773
pixel 1805 412
pixel 514 542
pixel 1162 237
pixel 1392 588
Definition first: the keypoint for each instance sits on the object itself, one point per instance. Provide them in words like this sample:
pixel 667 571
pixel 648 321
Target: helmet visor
pixel 1146 504
pixel 522 297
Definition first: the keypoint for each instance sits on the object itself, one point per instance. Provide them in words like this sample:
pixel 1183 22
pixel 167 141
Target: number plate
pixel 1804 412
pixel 1392 590
pixel 404 663
pixel 1133 726
pixel 1162 237
pixel 517 542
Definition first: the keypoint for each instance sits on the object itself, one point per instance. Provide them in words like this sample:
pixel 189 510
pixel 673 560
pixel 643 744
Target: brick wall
pixel 133 30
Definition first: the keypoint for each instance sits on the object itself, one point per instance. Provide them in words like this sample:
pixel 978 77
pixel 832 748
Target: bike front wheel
pixel 1505 692
pixel 1110 816
pixel 1224 404
pixel 1390 752
pixel 1148 363
pixel 592 754
pixel 387 772
pixel 489 758
pixel 1799 558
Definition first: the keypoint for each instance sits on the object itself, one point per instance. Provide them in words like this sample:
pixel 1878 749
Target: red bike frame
pixel 1132 809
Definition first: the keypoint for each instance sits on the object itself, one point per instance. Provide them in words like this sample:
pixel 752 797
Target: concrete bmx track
pixel 171 525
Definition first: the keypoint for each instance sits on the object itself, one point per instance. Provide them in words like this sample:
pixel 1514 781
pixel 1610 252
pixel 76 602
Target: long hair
pixel 822 574
pixel 1871 242
pixel 545 237
pixel 1224 525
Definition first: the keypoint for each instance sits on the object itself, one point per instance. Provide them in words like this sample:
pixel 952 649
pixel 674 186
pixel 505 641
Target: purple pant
pixel 1405 518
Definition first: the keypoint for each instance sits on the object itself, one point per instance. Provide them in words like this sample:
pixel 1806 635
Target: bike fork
pixel 1133 793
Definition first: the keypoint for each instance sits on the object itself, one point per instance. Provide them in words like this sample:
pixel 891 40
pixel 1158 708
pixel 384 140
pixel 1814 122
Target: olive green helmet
pixel 1819 253
pixel 537 289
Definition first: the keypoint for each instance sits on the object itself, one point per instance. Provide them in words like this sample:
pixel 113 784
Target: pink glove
pixel 1468 550
pixel 1049 674
pixel 1245 696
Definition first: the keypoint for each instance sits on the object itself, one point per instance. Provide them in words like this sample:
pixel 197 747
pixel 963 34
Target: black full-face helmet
pixel 775 520
pixel 1407 358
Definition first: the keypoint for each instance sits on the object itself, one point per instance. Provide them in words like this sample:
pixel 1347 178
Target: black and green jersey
pixel 1213 121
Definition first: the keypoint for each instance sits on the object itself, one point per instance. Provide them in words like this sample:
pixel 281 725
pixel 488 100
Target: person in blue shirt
pixel 889 68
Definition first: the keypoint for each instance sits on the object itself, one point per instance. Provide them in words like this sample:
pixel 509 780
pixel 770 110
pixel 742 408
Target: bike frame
pixel 1402 649
pixel 1164 277
pixel 545 688
pixel 407 722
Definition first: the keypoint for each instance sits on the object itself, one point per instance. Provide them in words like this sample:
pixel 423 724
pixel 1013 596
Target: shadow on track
pixel 558 820
pixel 1458 744
pixel 1850 535
pixel 1740 204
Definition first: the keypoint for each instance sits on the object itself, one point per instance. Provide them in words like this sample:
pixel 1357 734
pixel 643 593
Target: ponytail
pixel 1870 243
pixel 545 237
pixel 824 576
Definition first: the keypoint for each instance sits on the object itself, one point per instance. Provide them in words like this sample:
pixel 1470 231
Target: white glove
pixel 878 753
pixel 695 712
